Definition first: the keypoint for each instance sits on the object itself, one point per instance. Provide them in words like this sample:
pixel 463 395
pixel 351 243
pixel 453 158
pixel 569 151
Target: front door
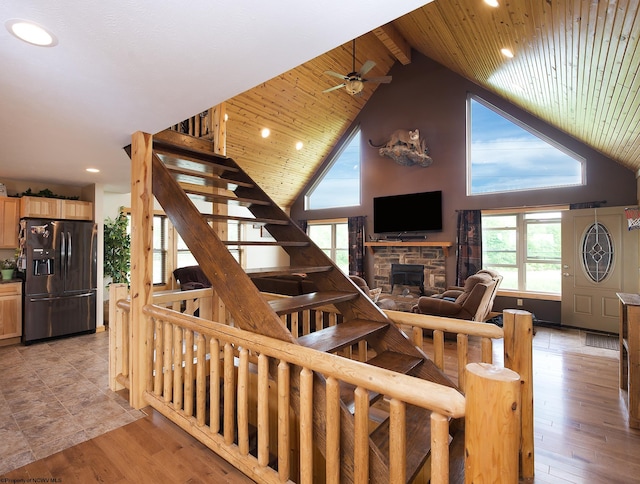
pixel 599 258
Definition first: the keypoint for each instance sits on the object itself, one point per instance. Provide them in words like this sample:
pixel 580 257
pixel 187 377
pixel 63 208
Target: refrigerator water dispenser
pixel 43 262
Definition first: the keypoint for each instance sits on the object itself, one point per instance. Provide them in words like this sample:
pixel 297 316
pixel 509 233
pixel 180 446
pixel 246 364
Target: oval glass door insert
pixel 597 252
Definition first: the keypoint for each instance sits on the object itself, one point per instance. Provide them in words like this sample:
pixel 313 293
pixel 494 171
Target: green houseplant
pixel 7 267
pixel 117 249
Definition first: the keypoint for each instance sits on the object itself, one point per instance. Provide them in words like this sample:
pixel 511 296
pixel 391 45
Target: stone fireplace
pixel 431 257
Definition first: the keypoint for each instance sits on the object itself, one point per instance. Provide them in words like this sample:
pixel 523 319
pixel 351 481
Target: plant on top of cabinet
pixel 46 193
pixel 117 249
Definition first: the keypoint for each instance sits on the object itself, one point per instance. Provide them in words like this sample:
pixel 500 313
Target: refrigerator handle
pixel 69 249
pixel 63 254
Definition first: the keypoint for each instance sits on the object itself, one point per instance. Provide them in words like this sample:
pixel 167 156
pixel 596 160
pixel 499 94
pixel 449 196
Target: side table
pixel 630 354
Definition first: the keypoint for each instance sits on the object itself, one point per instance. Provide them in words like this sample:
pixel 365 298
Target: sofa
pixel 192 277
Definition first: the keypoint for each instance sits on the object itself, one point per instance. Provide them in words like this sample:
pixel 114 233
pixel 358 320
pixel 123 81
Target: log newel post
pixel 492 424
pixel 141 262
pixel 219 130
pixel 518 336
pixel 118 348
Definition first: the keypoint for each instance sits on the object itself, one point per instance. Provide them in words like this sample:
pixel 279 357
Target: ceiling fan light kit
pixel 354 86
pixel 354 81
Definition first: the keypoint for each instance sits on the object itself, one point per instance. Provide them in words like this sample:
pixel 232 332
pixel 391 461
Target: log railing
pixel 197 301
pixel 245 415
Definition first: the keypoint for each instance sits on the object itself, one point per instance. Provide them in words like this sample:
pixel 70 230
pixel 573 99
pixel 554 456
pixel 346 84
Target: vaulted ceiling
pixel 122 67
pixel 574 66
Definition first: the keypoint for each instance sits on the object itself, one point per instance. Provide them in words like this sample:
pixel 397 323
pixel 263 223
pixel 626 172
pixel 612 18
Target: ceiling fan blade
pixel 366 67
pixel 334 88
pixel 335 74
pixel 383 79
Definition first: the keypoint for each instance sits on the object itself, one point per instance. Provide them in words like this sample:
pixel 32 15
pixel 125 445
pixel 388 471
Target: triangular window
pixel 505 155
pixel 339 185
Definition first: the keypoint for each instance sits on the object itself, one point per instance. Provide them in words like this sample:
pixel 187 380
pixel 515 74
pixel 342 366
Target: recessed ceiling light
pixel 265 132
pixel 491 3
pixel 93 170
pixel 31 32
pixel 299 145
pixel 507 52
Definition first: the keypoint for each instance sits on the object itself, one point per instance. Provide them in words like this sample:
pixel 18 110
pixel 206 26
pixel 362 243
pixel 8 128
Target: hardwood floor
pixel 580 423
pixel 150 450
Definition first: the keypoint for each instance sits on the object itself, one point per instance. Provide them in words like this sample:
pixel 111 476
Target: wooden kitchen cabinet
pixel 10 310
pixel 40 207
pixel 9 218
pixel 54 208
pixel 76 210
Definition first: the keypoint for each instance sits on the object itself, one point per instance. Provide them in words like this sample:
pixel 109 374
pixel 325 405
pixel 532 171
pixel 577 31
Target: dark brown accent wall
pixel 428 96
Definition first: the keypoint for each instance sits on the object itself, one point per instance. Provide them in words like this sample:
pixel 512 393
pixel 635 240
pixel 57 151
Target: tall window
pixel 505 155
pixel 339 185
pixel 525 248
pixel 184 257
pixel 160 247
pixel 333 238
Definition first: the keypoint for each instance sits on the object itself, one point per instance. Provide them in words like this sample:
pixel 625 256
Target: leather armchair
pixel 382 303
pixel 472 302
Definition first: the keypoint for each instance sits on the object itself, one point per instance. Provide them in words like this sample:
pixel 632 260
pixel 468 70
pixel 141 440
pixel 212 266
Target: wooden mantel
pixel 445 245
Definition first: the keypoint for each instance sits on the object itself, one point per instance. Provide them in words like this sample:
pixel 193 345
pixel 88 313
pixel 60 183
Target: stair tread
pixel 334 338
pixel 398 362
pixel 308 301
pixel 418 444
pixel 248 220
pixel 208 177
pixel 210 195
pixel 267 243
pixel 196 177
pixel 390 360
pixel 180 152
pixel 285 270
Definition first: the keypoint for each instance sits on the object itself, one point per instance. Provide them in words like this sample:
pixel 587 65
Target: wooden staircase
pixel 182 169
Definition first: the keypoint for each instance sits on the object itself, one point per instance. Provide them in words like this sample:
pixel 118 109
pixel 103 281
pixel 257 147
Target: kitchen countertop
pixel 7 281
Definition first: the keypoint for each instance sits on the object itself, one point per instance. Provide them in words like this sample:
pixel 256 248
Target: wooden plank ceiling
pixel 574 66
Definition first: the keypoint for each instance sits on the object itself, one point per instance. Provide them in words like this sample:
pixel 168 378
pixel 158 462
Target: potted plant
pixel 117 249
pixel 7 267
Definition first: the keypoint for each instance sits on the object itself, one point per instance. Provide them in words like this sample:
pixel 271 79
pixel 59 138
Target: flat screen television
pixel 412 212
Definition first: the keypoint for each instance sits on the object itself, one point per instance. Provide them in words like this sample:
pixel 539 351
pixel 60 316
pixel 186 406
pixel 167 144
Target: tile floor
pixel 54 395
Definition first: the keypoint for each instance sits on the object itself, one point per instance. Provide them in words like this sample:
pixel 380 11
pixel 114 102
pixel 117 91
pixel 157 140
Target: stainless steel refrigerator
pixel 59 262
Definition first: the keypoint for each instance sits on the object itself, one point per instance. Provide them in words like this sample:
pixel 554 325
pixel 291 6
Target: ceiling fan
pixel 354 81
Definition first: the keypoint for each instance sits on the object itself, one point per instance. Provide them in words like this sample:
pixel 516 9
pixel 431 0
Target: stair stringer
pixel 251 312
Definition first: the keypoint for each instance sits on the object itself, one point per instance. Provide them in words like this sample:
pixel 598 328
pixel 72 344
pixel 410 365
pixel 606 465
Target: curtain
pixel 469 244
pixel 355 226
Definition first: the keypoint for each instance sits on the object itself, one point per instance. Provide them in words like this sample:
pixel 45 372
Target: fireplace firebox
pixel 408 275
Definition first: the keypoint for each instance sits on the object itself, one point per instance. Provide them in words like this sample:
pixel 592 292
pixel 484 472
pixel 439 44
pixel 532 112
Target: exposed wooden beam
pixel 395 42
